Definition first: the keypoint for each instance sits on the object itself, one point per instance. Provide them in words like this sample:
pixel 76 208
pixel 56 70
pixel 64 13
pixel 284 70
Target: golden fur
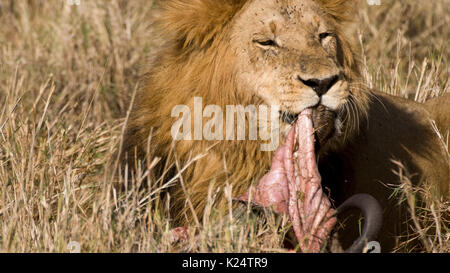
pixel 204 55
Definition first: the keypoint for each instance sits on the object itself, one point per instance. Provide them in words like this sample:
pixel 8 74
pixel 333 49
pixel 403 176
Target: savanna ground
pixel 66 74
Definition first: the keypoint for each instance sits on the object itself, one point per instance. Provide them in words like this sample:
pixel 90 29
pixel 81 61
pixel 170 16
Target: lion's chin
pixel 325 122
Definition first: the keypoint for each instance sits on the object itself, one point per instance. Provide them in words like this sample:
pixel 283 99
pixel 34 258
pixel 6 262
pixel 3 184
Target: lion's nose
pixel 320 86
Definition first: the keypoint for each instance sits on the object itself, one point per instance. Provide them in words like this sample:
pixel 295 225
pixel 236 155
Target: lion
pixel 290 53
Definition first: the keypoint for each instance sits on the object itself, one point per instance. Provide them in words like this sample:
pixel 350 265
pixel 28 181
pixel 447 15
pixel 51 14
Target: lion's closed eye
pixel 265 43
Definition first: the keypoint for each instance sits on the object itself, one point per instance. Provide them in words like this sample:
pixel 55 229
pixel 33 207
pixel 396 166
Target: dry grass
pixel 66 74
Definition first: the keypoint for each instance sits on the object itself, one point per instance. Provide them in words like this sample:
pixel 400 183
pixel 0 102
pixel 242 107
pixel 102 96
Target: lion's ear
pixel 197 22
pixel 341 10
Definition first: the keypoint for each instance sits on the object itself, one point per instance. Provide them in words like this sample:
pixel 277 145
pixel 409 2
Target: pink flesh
pixel 179 234
pixel 293 186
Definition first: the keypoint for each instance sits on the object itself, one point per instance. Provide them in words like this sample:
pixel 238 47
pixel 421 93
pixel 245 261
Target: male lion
pixel 291 53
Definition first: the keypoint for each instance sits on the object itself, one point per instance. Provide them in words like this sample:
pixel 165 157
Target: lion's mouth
pixel 288 118
pixel 324 122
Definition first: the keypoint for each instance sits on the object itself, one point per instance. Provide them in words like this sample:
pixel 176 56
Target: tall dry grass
pixel 66 76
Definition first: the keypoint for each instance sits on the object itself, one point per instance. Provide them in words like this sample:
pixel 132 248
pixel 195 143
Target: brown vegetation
pixel 66 73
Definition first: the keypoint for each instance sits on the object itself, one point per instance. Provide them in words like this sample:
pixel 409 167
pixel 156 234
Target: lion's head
pixel 291 53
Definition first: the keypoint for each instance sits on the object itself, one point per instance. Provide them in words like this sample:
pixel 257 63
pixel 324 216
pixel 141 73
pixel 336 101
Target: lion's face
pixel 288 54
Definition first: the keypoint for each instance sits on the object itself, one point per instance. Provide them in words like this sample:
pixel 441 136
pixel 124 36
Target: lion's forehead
pixel 288 12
